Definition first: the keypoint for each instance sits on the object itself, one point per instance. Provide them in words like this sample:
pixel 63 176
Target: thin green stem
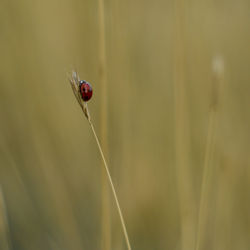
pixel 74 82
pixel 112 187
pixel 218 72
pixel 205 179
pixel 5 242
pixel 106 218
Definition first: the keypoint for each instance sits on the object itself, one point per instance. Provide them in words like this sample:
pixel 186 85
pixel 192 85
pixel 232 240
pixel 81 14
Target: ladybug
pixel 85 90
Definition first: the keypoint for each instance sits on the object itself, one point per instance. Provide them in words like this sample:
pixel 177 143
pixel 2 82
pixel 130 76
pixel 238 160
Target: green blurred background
pixel 160 83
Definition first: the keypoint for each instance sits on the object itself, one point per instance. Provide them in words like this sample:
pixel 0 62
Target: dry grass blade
pixel 74 81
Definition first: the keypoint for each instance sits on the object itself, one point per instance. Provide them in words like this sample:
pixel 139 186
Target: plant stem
pixel 5 242
pixel 217 84
pixel 112 187
pixel 205 180
pixel 106 217
pixel 74 81
pixel 184 180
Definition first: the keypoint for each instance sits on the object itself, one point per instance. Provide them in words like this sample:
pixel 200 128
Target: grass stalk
pixel 182 133
pixel 4 228
pixel 112 187
pixel 218 71
pixel 74 81
pixel 105 229
pixel 205 179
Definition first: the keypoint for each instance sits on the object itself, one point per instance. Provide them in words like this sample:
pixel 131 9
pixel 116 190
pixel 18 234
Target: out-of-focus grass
pixel 50 173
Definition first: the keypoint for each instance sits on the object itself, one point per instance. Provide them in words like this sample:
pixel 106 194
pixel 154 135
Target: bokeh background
pixel 173 116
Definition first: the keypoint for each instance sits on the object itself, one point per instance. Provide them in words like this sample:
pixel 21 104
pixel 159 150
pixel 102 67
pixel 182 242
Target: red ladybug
pixel 85 90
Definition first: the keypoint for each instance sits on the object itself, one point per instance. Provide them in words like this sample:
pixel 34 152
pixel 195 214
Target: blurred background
pixel 171 106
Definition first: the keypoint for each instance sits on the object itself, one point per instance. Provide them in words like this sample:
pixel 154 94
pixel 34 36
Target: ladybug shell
pixel 85 90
